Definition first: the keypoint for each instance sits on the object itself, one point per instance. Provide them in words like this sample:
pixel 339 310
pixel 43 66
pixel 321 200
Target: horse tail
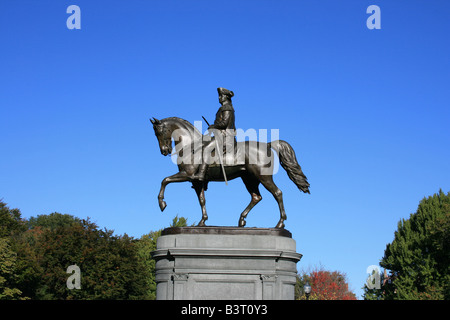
pixel 289 162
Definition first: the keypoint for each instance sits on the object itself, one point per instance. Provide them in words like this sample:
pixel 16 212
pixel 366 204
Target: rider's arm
pixel 222 120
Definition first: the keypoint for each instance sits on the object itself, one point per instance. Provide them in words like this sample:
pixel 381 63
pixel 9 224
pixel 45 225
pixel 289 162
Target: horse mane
pixel 189 125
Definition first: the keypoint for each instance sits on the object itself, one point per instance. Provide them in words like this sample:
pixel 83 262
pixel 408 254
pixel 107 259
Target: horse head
pixel 163 135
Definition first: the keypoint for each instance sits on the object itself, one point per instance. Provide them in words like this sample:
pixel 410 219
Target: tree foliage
pixel 52 221
pixel 11 222
pixel 11 225
pixel 7 272
pixel 108 263
pixel 35 255
pixel 325 285
pixel 419 256
pixel 147 244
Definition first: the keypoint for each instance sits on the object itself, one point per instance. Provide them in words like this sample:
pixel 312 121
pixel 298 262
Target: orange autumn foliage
pixel 328 285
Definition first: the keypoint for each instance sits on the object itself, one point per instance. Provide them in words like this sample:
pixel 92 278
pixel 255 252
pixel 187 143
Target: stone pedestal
pixel 217 263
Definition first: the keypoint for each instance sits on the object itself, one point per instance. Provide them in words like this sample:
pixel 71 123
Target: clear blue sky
pixel 367 112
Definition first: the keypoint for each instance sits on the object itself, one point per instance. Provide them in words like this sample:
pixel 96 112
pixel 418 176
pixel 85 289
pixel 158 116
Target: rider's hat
pixel 223 91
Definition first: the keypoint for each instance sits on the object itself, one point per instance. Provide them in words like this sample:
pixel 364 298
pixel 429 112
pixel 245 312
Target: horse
pixel 255 168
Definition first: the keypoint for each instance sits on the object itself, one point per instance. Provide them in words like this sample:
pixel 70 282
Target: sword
pixel 219 152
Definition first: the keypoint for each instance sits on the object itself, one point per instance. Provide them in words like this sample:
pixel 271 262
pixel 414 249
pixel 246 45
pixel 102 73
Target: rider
pixel 225 130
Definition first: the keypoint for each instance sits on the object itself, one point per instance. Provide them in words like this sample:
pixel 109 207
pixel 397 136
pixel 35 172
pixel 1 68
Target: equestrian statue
pixel 204 158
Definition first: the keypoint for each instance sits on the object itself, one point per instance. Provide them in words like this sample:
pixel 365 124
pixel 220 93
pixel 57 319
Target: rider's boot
pixel 200 175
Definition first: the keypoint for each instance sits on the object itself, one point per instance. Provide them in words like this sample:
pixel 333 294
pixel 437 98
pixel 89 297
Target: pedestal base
pixel 225 263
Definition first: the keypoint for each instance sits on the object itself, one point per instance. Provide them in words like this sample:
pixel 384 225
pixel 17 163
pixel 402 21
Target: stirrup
pixel 198 177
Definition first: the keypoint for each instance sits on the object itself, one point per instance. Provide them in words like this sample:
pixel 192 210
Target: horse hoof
pixel 162 205
pixel 242 223
pixel 280 225
pixel 201 223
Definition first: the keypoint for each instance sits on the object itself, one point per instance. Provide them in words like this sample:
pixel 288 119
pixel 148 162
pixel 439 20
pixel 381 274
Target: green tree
pixel 375 293
pixel 147 244
pixel 11 225
pixel 11 222
pixel 7 272
pixel 52 220
pixel 419 256
pixel 179 222
pixel 28 264
pixel 35 254
pixel 109 264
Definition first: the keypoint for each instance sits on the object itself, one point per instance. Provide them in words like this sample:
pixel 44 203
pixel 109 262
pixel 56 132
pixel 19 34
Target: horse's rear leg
pixel 252 187
pixel 268 183
pixel 200 190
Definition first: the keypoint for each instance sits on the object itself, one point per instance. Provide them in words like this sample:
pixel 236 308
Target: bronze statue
pixel 251 161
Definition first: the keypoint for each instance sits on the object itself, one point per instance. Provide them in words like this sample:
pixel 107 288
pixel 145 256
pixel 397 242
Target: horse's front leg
pixel 177 177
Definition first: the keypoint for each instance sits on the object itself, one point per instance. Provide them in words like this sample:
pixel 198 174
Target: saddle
pixel 234 158
pixel 230 159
